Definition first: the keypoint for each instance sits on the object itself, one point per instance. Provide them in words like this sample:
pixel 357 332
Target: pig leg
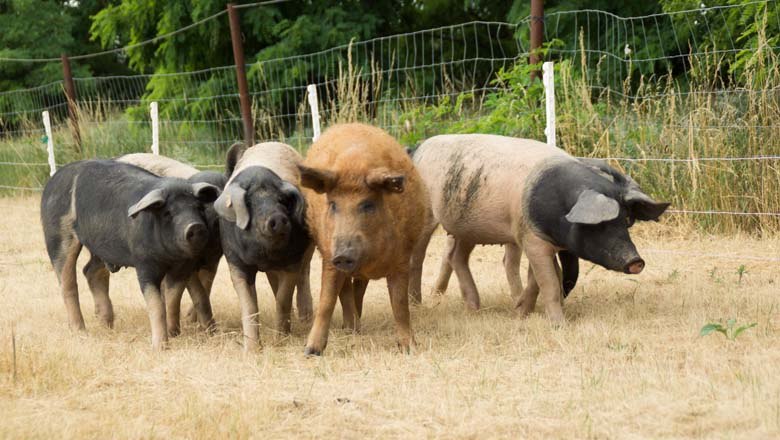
pixel 527 301
pixel 273 280
pixel 206 277
pixel 559 272
pixel 150 282
pixel 284 296
pixel 512 254
pixel 243 282
pixel 460 263
pixel 332 281
pixel 416 263
pixel 348 307
pixel 98 279
pixel 303 297
pixel 398 286
pixel 445 271
pixel 541 257
pixel 201 303
pixel 172 292
pixel 359 287
pixel 65 268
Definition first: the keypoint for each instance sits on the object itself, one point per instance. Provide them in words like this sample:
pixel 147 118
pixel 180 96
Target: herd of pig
pixel 360 199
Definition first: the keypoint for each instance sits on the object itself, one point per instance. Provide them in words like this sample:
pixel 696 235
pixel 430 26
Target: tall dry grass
pixel 714 114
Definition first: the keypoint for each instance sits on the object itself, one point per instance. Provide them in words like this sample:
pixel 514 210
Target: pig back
pixel 476 182
pixel 159 165
pixel 280 158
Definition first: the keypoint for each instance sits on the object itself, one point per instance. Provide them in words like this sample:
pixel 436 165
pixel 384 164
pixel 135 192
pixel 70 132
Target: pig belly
pixel 480 232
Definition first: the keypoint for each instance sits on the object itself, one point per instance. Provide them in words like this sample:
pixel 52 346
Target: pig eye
pixel 332 206
pixel 367 207
pixel 288 202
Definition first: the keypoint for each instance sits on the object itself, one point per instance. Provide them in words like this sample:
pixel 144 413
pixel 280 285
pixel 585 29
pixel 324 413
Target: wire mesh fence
pixel 678 100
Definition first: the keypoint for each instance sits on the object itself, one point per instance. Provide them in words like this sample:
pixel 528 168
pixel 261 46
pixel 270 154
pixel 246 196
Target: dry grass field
pixel 629 364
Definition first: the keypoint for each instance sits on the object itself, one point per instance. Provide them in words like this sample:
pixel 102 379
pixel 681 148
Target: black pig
pixel 263 228
pixel 126 217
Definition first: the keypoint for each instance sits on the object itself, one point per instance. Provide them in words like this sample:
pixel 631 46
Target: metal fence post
pixel 70 94
pixel 537 33
pixel 243 88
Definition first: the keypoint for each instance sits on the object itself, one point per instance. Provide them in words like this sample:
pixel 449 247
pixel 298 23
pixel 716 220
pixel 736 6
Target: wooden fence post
pixel 537 33
pixel 243 88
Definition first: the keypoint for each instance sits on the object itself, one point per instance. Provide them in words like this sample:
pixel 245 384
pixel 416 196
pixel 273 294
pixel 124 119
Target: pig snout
pixel 277 225
pixel 196 234
pixel 346 257
pixel 634 266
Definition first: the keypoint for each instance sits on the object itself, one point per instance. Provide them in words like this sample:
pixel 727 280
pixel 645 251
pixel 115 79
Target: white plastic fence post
pixel 155 128
pixel 49 143
pixel 548 79
pixel 315 111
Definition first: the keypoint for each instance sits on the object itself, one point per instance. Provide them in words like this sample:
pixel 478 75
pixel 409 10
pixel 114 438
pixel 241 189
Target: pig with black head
pixel 263 228
pixel 527 195
pixel 126 217
pixel 202 276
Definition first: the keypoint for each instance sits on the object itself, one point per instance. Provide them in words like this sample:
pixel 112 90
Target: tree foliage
pixel 46 28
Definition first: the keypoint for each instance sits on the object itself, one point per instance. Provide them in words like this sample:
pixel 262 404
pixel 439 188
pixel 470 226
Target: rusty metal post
pixel 243 88
pixel 70 94
pixel 537 34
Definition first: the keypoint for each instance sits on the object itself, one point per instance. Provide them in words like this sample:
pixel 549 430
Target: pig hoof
pixel 524 308
pixel 406 346
pixel 160 345
pixel 174 331
pixel 556 318
pixel 311 351
pixel 210 329
pixel 284 328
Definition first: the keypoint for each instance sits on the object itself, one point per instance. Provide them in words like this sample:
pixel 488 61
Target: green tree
pixel 34 29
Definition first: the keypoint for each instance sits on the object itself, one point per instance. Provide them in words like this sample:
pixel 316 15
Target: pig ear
pixel 593 208
pixel 233 155
pixel 298 211
pixel 320 181
pixel 231 205
pixel 382 179
pixel 205 192
pixel 154 199
pixel 642 207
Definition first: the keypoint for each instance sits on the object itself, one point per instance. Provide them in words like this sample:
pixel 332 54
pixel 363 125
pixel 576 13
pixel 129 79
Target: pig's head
pixel 355 211
pixel 213 178
pixel 586 207
pixel 266 209
pixel 173 215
